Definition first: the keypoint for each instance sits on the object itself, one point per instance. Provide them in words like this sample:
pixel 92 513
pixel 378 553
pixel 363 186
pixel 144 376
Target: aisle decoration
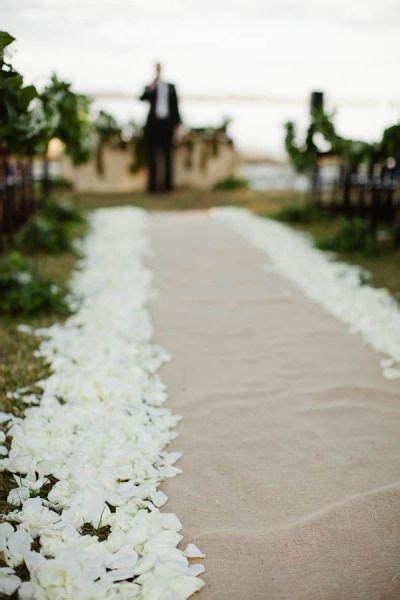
pixel 337 286
pixel 89 455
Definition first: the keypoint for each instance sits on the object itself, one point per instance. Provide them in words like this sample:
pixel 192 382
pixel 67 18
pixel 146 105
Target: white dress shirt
pixel 162 107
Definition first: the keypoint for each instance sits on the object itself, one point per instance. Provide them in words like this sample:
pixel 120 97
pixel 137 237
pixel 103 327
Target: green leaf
pixel 11 80
pixel 27 94
pixel 5 40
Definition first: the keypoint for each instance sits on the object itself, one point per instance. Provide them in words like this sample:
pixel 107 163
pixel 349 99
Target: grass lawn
pixel 384 268
pixel 260 202
pixel 18 366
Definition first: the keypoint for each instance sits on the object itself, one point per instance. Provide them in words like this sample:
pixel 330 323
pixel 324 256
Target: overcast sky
pixel 245 46
pixel 281 48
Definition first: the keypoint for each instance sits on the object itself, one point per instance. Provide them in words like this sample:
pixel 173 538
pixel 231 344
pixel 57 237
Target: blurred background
pixel 252 61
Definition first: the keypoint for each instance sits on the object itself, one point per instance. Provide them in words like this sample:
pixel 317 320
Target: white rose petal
pixel 125 558
pixel 97 433
pixel 24 328
pixel 4 417
pixel 9 582
pixel 338 287
pixel 192 551
pixel 6 529
pixel 18 495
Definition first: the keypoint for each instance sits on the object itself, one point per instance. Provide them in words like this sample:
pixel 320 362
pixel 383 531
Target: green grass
pixel 232 183
pixel 259 202
pixel 383 265
pixel 300 213
pixel 353 236
pixel 18 366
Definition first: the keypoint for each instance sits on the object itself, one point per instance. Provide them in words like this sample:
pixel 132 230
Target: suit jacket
pixel 173 118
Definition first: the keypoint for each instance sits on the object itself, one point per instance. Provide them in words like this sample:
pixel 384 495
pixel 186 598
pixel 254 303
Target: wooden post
pixel 347 190
pixel 8 199
pixel 396 219
pixel 45 180
pixel 315 185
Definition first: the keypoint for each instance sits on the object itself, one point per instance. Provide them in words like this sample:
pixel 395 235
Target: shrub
pixel 62 212
pixel 24 292
pixel 301 214
pixel 42 234
pixel 232 183
pixel 51 229
pixel 353 236
pixel 60 183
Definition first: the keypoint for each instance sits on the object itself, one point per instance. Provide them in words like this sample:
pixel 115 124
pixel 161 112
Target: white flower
pixel 169 581
pixel 23 277
pixel 6 529
pixel 4 417
pixel 192 551
pixel 171 521
pixel 100 431
pixel 35 516
pixel 18 495
pixel 146 563
pixel 125 558
pixel 18 545
pixel 9 582
pixel 22 328
pixel 336 286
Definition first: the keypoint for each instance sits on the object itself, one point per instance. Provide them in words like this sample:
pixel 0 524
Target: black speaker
pixel 316 101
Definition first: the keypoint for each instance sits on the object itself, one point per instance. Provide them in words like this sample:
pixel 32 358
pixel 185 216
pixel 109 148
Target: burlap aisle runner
pixel 291 445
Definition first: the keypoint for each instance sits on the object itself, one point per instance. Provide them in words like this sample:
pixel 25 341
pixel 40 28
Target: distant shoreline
pixel 260 159
pixel 251 98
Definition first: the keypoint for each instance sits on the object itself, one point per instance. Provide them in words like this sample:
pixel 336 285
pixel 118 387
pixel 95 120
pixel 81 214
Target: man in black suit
pixel 162 121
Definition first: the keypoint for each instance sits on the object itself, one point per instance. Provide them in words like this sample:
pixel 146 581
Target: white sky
pixel 280 48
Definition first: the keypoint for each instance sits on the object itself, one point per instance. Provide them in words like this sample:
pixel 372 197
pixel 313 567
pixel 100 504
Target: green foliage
pixel 24 292
pixel 106 126
pixel 18 125
pixel 353 236
pixel 72 124
pixel 108 132
pixel 390 145
pixel 42 234
pixel 28 120
pixel 60 183
pixel 300 214
pixel 51 229
pixel 63 211
pixel 232 183
pixel 140 153
pixel 5 40
pixel 303 155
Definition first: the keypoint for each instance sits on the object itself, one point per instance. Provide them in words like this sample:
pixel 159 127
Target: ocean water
pixel 265 176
